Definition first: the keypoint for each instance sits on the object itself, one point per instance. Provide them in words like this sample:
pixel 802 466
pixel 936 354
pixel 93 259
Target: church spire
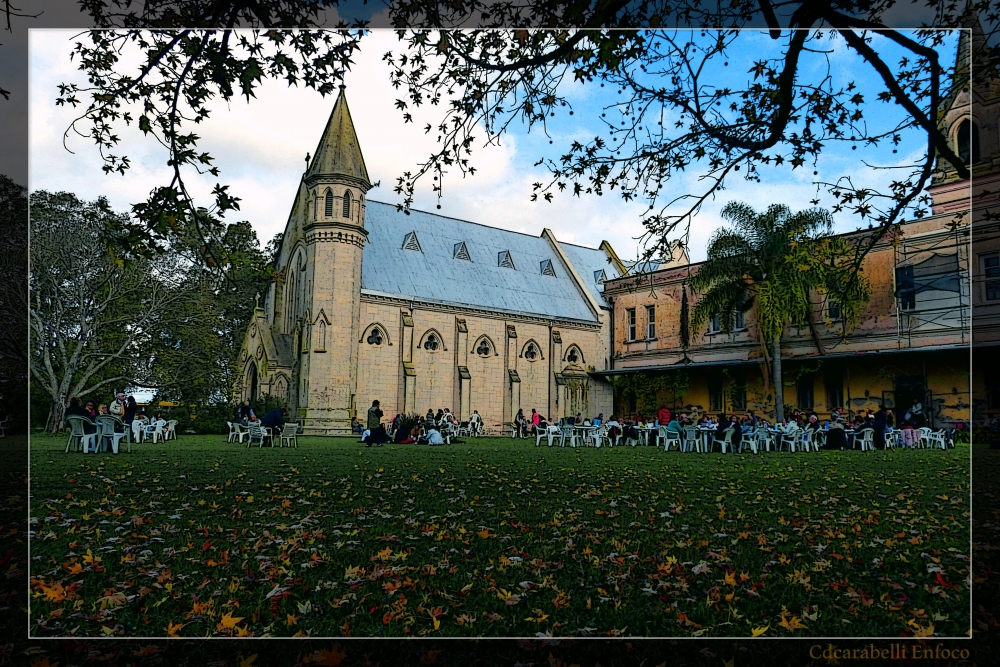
pixel 338 151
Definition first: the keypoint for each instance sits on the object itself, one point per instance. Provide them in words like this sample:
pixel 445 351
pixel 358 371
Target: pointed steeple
pixel 338 151
pixel 972 42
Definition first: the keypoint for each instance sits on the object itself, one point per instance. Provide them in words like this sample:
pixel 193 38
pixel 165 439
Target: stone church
pixel 422 311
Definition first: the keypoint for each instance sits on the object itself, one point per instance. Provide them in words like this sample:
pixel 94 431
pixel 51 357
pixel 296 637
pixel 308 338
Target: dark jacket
pixel 374 417
pixel 130 409
pixel 273 418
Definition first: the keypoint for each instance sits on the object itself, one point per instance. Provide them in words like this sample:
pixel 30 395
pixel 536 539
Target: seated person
pixel 356 426
pixel 674 428
pixel 244 413
pixel 599 419
pixel 630 431
pixel 836 437
pixel 724 425
pixel 433 437
pixel 75 409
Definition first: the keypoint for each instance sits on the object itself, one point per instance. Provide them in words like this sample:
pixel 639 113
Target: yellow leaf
pixel 248 661
pixel 173 628
pixel 730 579
pixel 793 623
pixel 287 503
pixel 757 632
pixel 75 568
pixel 924 632
pixel 484 533
pixel 291 620
pixel 228 622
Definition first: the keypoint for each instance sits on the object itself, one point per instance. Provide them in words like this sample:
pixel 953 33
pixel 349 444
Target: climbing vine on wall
pixel 645 388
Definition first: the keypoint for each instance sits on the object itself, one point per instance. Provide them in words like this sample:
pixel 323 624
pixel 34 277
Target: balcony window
pixel 991 275
pixel 650 321
pixel 905 289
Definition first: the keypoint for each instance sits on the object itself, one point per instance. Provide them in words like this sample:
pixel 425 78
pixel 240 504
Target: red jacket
pixel 663 416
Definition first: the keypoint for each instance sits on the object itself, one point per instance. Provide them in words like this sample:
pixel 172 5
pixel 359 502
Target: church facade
pixel 421 311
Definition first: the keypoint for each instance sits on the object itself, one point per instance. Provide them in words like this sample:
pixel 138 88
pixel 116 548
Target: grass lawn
pixel 494 537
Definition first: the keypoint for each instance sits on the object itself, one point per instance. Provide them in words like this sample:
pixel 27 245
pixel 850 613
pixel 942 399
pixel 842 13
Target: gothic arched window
pixel 321 336
pixel 347 204
pixel 530 352
pixel 375 337
pixel 431 343
pixel 967 140
pixel 484 348
pixel 328 207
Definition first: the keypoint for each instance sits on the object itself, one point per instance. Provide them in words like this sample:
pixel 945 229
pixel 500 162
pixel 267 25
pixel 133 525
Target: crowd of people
pixel 122 407
pixel 433 429
pixel 844 431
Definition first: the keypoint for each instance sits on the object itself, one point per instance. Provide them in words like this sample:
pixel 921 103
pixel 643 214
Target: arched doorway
pixel 575 391
pixel 251 383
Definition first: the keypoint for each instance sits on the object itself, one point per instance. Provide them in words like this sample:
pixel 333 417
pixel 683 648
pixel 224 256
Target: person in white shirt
pixel 434 437
pixel 476 422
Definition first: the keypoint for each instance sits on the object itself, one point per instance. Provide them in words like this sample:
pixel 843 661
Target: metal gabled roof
pixel 587 262
pixel 436 275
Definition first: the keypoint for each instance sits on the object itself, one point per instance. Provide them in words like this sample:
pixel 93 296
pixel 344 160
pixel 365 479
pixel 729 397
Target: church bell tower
pixel 333 224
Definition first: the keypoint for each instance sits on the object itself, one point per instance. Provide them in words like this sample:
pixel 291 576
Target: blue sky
pixel 260 148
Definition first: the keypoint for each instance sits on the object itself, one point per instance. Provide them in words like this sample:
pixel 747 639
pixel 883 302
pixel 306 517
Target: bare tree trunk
pixel 779 389
pixel 57 416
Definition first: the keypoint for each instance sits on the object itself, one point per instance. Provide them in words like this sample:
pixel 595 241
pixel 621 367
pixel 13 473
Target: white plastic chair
pixel 692 439
pixel 157 430
pixel 938 439
pixel 925 437
pixel 669 438
pixel 288 433
pixel 259 433
pixel 170 432
pixel 891 439
pixel 569 433
pixel 790 436
pixel 764 439
pixel 867 440
pixel 106 430
pixel 138 431
pixel 3 425
pixel 727 440
pixel 78 437
pixel 748 441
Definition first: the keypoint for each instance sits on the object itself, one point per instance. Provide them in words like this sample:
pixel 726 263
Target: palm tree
pixel 770 258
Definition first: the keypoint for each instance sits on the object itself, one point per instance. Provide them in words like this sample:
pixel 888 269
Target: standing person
pixel 274 420
pixel 374 424
pixel 118 406
pixel 130 410
pixel 519 422
pixel 879 423
pixel 536 419
pixel 476 423
pixel 663 416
